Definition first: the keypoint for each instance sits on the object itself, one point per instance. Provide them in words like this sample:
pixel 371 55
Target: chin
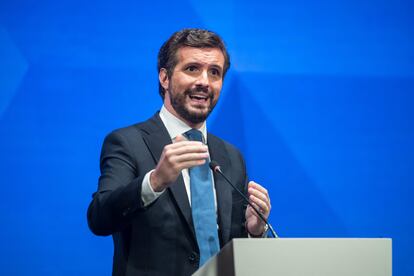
pixel 198 110
pixel 196 116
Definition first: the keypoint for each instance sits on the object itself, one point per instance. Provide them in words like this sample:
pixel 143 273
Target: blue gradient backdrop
pixel 330 82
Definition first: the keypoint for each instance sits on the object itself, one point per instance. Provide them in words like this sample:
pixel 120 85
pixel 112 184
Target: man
pixel 149 196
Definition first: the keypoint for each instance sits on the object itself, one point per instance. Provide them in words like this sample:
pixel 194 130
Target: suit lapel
pixel 223 189
pixel 156 138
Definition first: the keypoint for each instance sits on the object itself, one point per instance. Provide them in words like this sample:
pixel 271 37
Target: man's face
pixel 194 87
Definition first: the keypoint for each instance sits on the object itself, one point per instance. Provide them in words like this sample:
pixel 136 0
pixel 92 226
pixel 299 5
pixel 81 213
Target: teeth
pixel 198 97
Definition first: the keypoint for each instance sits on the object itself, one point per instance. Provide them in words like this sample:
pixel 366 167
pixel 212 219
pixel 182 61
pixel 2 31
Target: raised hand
pixel 175 157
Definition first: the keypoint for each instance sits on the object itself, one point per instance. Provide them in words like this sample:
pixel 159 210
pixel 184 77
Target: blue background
pixel 319 99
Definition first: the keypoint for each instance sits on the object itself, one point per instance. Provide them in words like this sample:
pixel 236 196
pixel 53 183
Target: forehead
pixel 207 56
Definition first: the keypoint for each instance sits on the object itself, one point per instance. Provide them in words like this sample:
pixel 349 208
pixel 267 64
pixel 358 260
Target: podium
pixel 302 257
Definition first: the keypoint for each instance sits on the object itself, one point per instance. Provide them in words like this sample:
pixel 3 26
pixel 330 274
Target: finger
pixel 259 194
pixel 180 144
pixel 186 149
pixel 188 157
pixel 255 206
pixel 190 164
pixel 179 138
pixel 253 212
pixel 263 205
pixel 182 138
pixel 256 186
pixel 177 144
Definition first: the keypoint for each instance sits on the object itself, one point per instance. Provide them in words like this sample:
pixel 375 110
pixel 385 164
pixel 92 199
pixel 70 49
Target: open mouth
pixel 199 98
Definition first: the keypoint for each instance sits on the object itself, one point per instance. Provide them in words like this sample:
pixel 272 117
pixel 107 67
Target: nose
pixel 202 79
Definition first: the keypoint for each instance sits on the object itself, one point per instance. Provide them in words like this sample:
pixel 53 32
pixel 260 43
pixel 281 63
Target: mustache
pixel 197 90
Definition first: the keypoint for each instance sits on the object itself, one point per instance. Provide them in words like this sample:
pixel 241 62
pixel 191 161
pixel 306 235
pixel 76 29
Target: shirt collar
pixel 176 126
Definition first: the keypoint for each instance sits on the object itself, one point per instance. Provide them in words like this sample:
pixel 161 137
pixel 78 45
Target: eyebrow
pixel 214 65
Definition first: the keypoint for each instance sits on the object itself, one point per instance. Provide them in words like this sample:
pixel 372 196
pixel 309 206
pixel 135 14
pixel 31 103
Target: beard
pixel 178 102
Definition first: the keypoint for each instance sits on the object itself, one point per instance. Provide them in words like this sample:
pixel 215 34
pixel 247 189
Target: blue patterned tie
pixel 203 206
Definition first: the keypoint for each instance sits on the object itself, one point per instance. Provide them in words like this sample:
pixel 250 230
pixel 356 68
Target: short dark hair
pixel 197 38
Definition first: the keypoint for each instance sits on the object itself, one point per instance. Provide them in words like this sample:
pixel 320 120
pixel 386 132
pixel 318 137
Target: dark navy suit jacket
pixel 158 239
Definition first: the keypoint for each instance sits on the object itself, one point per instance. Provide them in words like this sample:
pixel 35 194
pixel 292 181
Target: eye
pixel 215 72
pixel 191 68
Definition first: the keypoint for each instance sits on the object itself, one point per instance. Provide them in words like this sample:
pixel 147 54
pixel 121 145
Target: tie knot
pixel 194 135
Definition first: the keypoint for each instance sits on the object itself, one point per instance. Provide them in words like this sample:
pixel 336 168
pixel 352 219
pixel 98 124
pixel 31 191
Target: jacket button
pixel 193 258
pixel 126 212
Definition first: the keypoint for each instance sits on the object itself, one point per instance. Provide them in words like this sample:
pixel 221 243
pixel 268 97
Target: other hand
pixel 260 199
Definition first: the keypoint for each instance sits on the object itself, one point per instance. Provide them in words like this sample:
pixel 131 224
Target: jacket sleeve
pixel 119 187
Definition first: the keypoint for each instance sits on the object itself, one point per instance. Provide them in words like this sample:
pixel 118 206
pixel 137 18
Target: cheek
pixel 177 88
pixel 217 89
pixel 181 80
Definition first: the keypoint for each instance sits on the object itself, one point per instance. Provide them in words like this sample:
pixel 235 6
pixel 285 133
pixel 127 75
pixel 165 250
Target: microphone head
pixel 214 166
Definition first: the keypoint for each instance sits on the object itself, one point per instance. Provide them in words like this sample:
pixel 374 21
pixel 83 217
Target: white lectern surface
pixel 302 257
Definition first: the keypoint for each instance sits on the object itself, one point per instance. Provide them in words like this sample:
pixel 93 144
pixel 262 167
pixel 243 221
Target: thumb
pixel 179 138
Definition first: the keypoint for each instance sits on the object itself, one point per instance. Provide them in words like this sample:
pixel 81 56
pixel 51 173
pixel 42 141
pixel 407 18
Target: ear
pixel 163 78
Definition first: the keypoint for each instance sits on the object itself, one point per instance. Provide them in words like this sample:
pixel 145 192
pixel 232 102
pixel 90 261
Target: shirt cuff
pixel 148 195
pixel 263 235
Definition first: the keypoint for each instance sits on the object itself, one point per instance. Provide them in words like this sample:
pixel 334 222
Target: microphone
pixel 215 167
